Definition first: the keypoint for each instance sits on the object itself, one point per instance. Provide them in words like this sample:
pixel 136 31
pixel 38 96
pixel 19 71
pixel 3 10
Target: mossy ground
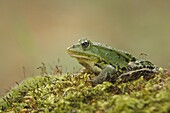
pixel 72 93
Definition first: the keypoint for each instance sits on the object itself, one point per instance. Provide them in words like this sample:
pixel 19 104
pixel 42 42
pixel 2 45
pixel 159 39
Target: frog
pixel 110 64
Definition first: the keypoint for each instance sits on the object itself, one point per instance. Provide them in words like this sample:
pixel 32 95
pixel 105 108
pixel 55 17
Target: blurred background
pixel 36 31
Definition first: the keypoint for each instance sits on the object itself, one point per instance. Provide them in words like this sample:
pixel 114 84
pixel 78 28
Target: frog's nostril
pixel 73 46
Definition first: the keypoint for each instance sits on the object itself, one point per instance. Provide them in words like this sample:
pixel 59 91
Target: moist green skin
pixel 107 62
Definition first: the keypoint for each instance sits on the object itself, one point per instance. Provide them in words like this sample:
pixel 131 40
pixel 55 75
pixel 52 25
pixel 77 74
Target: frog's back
pixel 114 56
pixel 121 58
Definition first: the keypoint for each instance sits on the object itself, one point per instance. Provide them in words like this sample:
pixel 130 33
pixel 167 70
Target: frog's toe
pixel 93 82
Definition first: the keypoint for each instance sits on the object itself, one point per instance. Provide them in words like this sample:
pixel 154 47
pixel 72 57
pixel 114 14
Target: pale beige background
pixel 36 31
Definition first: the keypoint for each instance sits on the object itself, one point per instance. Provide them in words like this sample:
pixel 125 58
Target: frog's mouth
pixel 83 56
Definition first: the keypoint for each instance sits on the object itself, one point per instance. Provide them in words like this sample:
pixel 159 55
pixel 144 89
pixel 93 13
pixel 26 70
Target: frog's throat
pixel 87 61
pixel 90 65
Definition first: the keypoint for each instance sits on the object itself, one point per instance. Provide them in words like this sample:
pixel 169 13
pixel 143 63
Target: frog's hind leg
pixel 136 74
pixel 105 75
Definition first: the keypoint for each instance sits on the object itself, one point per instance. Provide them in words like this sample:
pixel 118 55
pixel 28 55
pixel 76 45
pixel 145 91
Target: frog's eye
pixel 85 43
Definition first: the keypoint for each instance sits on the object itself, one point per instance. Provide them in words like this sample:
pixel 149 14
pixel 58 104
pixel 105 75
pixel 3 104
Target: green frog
pixel 110 64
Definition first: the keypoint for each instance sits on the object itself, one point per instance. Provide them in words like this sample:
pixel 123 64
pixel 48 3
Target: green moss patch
pixel 73 93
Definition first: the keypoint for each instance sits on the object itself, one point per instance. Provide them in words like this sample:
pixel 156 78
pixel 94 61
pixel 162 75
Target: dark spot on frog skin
pixel 127 60
pixel 133 59
pixel 98 65
pixel 123 69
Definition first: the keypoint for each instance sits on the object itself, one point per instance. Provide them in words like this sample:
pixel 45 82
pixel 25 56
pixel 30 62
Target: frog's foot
pixel 106 75
pixel 136 74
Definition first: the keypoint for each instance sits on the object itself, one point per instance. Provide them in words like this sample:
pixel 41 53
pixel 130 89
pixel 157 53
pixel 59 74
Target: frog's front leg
pixel 107 74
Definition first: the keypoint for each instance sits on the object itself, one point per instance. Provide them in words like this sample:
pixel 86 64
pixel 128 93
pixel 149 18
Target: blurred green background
pixel 36 31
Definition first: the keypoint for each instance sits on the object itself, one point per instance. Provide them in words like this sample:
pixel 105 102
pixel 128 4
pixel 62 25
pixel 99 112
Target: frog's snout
pixel 68 48
pixel 71 47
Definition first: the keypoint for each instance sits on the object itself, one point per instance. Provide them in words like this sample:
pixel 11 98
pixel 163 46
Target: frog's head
pixel 83 49
pixel 86 53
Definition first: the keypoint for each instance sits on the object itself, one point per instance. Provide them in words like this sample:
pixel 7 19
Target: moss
pixel 72 93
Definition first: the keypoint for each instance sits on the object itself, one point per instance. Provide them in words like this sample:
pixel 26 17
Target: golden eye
pixel 85 43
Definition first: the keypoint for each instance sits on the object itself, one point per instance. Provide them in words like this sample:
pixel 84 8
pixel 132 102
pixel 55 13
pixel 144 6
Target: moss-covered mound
pixel 72 93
